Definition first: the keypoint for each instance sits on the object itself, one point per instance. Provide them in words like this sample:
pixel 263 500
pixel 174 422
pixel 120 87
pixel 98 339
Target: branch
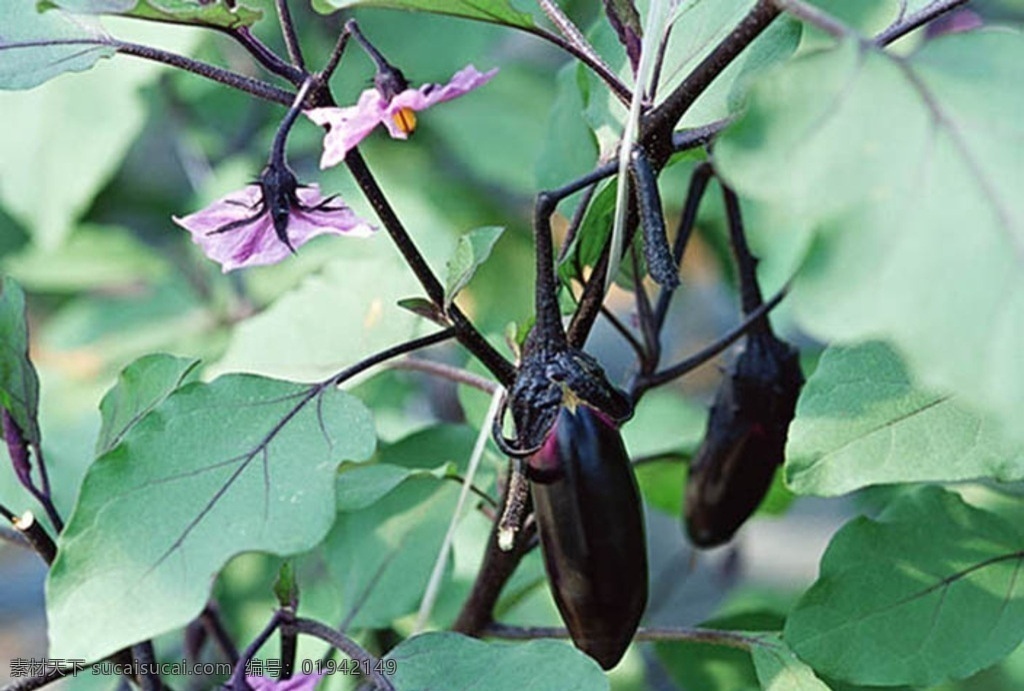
pixel 465 332
pixel 905 25
pixel 348 646
pixel 291 39
pixel 728 639
pixel 444 371
pixel 643 383
pixel 657 127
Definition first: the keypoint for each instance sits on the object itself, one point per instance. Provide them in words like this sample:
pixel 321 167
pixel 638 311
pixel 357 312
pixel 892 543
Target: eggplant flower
pixel 266 221
pixel 299 682
pixel 392 103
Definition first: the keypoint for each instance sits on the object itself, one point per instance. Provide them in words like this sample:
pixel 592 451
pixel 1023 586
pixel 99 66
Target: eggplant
pixel 745 439
pixel 588 512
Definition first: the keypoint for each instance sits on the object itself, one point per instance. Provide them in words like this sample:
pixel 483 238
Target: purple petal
pixel 256 243
pixel 464 81
pixel 299 682
pixel 348 126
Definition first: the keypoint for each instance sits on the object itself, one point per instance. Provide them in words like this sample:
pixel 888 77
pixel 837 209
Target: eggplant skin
pixel 591 527
pixel 745 440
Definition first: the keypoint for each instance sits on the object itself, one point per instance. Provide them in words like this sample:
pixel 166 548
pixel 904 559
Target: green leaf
pixel 93 257
pixel 452 661
pixel 472 250
pixel 494 11
pixel 592 235
pixel 218 13
pixel 381 556
pixel 35 47
pixel 778 669
pixel 241 464
pixel 929 592
pixel 708 667
pixel 63 141
pixel 569 147
pixel 19 384
pixel 140 388
pixel 361 485
pixel 906 171
pixel 308 333
pixel 862 421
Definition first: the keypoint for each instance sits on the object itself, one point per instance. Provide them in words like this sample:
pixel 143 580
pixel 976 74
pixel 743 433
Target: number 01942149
pixel 347 666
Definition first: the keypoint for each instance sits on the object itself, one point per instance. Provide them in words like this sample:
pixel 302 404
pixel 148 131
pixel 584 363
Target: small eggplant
pixel 745 439
pixel 591 526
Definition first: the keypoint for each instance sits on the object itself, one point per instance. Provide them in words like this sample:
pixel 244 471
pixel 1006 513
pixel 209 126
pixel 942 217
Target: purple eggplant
pixel 591 527
pixel 745 439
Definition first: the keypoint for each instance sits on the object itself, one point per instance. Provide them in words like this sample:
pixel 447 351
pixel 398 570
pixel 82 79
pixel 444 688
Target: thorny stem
pixel 49 676
pixel 211 620
pixel 266 57
pixel 36 536
pixel 238 674
pixel 291 39
pixel 642 383
pixel 574 37
pixel 348 646
pixel 335 57
pixel 281 137
pixel 379 60
pixel 687 221
pixel 815 17
pixel 465 332
pixel 146 658
pixel 746 263
pixel 444 371
pixel 497 567
pixel 657 126
pixel 255 87
pixel 548 327
pixel 918 19
pixel 620 90
pixel 387 354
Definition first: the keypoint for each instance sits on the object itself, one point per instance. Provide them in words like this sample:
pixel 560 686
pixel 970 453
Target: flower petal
pixel 348 126
pixel 256 243
pixel 464 81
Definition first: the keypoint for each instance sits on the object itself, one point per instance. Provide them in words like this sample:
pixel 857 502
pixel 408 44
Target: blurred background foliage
pixel 95 165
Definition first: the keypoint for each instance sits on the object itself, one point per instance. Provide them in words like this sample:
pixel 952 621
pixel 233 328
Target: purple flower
pixel 349 126
pixel 299 682
pixel 264 222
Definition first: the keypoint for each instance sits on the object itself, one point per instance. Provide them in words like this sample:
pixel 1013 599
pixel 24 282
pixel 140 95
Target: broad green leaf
pixel 569 146
pixel 241 464
pixel 697 26
pixel 35 47
pixel 452 661
pixel 218 13
pixel 472 250
pixel 63 141
pixel 360 485
pixel 19 384
pixel 94 257
pixel 141 386
pixel 661 484
pixel 592 235
pixel 708 667
pixel 862 421
pixel 930 591
pixel 778 669
pixel 907 172
pixel 331 320
pixel 494 11
pixel 381 556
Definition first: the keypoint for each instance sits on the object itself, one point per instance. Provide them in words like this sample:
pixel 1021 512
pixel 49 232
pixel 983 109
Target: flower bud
pixel 591 527
pixel 745 440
